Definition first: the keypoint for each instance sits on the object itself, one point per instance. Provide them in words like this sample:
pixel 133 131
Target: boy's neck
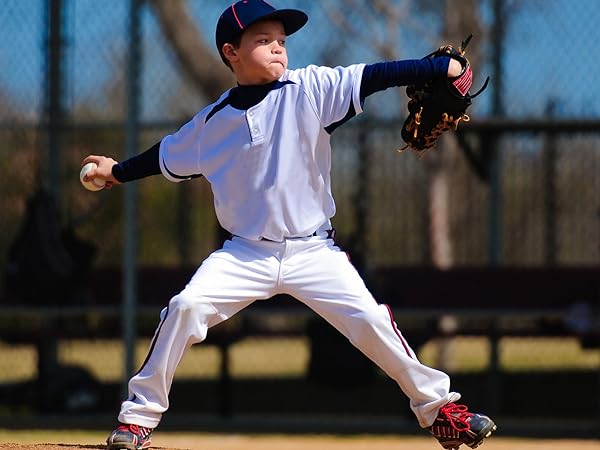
pixel 246 96
pixel 244 79
pixel 250 85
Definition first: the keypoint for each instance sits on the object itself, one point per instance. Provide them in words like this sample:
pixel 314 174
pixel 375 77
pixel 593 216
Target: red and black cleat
pixel 129 437
pixel 455 426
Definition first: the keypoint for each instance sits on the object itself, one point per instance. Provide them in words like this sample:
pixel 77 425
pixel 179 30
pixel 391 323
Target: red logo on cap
pixel 236 17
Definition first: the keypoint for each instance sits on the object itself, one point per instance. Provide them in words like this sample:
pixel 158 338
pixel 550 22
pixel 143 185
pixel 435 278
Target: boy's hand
pixel 103 171
pixel 455 68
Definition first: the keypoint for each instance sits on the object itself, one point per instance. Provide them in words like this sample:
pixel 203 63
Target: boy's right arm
pixel 113 172
pixel 103 171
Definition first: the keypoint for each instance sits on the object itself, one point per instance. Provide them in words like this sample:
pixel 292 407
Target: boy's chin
pixel 272 77
pixel 277 71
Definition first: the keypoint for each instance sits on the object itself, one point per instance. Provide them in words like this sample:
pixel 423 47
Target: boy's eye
pixel 266 41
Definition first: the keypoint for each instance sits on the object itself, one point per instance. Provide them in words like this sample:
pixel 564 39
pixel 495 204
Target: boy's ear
pixel 230 52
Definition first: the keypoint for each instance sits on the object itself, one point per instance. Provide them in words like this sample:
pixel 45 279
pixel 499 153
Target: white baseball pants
pixel 314 271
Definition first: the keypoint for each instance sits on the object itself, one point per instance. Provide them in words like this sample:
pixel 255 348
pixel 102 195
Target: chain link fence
pixel 542 209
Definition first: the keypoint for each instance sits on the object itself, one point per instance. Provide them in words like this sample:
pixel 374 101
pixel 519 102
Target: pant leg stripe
pixel 154 339
pixel 393 323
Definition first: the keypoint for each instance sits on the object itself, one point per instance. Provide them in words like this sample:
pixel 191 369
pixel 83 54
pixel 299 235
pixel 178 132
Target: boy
pixel 264 146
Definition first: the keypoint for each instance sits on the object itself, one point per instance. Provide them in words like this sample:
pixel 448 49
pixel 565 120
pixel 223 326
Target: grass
pixel 289 357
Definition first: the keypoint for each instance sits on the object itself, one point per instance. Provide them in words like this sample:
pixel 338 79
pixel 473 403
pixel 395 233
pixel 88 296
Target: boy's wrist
pixel 117 172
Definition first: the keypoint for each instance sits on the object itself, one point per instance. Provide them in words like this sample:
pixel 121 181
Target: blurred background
pixel 487 249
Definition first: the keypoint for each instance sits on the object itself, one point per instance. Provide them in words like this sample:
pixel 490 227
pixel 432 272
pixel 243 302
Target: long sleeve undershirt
pixel 376 77
pixel 380 76
pixel 140 166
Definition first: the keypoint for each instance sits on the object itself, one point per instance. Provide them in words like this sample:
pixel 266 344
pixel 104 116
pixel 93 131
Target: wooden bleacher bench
pixel 520 301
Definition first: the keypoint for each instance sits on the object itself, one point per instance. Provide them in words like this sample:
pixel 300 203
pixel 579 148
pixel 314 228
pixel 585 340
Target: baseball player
pixel 264 147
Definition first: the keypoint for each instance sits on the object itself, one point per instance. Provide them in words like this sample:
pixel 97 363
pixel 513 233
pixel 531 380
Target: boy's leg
pixel 325 280
pixel 226 282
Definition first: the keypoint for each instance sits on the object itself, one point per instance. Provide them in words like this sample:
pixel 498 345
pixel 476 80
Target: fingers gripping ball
pixel 95 184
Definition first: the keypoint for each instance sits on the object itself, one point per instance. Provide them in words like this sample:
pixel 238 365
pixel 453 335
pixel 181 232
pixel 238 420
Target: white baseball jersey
pixel 269 166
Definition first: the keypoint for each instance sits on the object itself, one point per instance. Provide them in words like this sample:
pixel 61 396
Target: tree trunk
pixel 210 76
pixel 460 20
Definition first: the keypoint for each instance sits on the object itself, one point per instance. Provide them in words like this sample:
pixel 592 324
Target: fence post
pixel 361 203
pixel 47 346
pixel 496 197
pixel 129 306
pixel 55 109
pixel 550 229
pixel 495 212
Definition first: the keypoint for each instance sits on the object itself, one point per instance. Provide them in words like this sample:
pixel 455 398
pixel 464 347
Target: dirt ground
pixel 193 441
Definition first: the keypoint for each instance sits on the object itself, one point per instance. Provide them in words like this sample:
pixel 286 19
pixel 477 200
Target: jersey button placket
pixel 255 131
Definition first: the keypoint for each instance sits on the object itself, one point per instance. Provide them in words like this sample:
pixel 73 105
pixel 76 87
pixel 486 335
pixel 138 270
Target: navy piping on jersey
pixel 180 177
pixel 245 97
pixel 218 108
pixel 349 115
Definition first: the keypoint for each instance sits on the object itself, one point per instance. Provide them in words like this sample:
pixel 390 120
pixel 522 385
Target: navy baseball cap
pixel 244 13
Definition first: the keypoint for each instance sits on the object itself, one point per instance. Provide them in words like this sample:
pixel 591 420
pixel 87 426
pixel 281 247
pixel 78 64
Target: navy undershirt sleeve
pixel 380 76
pixel 140 166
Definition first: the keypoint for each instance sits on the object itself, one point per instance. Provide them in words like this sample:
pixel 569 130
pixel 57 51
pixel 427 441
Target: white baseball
pixel 95 184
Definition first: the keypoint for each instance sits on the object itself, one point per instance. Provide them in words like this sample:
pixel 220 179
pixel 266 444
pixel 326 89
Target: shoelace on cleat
pixel 457 416
pixel 135 429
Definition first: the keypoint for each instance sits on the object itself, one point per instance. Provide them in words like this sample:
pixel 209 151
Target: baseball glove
pixel 439 105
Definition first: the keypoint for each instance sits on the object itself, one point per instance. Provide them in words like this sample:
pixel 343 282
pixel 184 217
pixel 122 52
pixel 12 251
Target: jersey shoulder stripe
pixel 179 177
pixel 333 92
pixel 218 107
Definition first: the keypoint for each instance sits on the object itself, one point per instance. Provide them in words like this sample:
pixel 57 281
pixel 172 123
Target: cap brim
pixel 292 19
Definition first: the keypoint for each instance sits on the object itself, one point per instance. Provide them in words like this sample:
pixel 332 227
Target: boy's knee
pixel 193 316
pixel 365 323
pixel 185 304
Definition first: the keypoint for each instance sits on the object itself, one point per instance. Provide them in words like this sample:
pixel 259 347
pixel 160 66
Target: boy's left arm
pixel 380 76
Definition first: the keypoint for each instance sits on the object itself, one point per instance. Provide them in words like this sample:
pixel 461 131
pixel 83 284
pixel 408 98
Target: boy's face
pixel 261 57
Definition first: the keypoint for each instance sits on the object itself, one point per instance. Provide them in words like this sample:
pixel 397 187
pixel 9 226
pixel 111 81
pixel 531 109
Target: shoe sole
pixel 122 447
pixel 486 434
pixel 128 446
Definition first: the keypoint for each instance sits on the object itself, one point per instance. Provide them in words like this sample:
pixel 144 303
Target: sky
pixel 550 53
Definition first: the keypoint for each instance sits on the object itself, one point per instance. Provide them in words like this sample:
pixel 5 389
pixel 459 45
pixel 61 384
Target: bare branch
pixel 197 58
